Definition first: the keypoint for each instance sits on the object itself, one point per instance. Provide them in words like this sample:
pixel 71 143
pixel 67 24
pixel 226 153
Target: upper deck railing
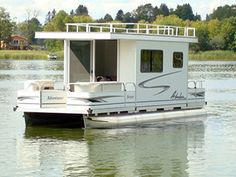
pixel 132 28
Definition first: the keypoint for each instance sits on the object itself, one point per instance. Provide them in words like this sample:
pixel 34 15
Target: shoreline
pixel 216 55
pixel 28 54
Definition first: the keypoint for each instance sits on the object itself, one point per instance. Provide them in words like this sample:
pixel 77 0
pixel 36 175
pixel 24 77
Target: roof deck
pixel 127 31
pixel 132 28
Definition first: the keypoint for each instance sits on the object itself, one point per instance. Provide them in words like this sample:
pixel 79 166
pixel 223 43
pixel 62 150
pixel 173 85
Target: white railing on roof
pixel 132 28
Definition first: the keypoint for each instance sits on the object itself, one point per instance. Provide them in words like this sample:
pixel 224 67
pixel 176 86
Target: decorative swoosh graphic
pixel 96 99
pixel 163 87
pixel 21 98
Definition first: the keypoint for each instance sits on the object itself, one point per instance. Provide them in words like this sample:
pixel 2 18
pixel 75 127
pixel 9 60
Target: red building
pixel 16 42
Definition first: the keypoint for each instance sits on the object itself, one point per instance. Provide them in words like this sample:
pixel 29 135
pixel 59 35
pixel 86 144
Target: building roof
pixel 18 37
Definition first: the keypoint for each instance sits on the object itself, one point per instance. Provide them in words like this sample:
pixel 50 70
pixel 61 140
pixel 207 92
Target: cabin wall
pixel 126 61
pixel 166 86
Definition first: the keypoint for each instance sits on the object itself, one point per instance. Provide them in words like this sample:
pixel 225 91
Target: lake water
pixel 187 148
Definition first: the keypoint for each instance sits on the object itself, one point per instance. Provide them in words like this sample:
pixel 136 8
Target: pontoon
pixel 117 74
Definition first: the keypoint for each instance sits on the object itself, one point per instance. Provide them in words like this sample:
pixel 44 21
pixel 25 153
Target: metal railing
pixel 132 28
pixel 195 84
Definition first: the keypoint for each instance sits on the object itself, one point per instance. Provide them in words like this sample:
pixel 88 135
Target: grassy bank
pixel 214 55
pixel 27 54
pixel 217 55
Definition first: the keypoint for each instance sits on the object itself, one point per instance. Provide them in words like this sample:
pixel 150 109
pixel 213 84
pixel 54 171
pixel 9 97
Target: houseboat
pixel 115 75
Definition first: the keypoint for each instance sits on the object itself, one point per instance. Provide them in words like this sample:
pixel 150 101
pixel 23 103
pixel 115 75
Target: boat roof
pixel 128 31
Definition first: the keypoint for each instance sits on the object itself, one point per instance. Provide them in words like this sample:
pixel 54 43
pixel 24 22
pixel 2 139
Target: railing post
pixel 177 31
pixel 67 28
pixel 138 28
pixel 87 27
pixel 77 28
pixel 147 30
pixel 111 27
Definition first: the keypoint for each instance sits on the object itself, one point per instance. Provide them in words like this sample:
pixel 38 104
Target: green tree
pixel 128 18
pixel 169 20
pixel 120 15
pixel 108 18
pixel 28 29
pixel 203 36
pixel 228 31
pixel 144 12
pixel 57 24
pixel 164 10
pixel 184 11
pixel 81 10
pixel 6 25
pixel 223 12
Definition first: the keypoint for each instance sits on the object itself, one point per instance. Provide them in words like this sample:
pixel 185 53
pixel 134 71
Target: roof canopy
pixel 129 31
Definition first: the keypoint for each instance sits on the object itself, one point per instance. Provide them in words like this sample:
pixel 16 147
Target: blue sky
pixel 98 8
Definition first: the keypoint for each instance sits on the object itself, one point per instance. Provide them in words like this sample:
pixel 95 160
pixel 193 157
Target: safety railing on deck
pixel 132 28
pixel 195 84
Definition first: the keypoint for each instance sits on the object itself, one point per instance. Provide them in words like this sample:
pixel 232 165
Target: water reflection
pixel 156 151
pixel 20 70
pixel 205 148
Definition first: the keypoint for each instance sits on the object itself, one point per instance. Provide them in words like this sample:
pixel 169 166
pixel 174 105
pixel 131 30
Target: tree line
pixel 217 32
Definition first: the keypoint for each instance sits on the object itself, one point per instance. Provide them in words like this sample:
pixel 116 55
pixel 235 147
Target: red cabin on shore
pixel 16 42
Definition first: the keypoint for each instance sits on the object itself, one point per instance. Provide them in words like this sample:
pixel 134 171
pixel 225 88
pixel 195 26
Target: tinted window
pixel 178 59
pixel 151 61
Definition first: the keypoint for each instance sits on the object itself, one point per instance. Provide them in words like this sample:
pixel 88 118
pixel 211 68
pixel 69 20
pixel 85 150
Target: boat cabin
pixel 114 68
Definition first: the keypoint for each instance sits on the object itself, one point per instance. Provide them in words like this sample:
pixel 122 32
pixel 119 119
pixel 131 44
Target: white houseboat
pixel 117 74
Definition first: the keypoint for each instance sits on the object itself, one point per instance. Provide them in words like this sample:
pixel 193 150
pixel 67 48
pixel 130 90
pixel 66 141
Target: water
pixel 185 148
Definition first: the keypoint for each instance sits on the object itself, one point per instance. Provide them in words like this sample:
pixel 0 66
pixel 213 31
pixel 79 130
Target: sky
pixel 19 9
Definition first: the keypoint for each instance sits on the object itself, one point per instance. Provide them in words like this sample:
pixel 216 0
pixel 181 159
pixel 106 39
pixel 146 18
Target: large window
pixel 151 61
pixel 178 59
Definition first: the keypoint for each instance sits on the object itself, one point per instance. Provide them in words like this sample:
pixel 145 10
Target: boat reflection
pixel 161 150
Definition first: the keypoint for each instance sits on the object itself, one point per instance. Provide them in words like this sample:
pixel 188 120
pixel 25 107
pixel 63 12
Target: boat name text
pixel 177 95
pixel 54 98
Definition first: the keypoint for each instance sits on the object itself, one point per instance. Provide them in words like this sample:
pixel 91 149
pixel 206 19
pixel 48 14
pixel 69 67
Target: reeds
pixel 27 54
pixel 219 55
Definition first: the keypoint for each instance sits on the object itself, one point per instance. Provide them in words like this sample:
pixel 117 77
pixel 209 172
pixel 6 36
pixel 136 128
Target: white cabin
pixel 117 73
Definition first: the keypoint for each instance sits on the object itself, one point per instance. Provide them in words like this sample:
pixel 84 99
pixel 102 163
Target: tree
pixel 185 12
pixel 6 26
pixel 144 12
pixel 72 13
pixel 81 10
pixel 48 17
pixel 203 37
pixel 223 12
pixel 164 10
pixel 28 29
pixel 108 18
pixel 228 32
pixel 53 14
pixel 128 18
pixel 56 24
pixel 120 15
pixel 172 20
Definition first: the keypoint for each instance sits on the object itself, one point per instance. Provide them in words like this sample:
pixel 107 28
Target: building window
pixel 151 61
pixel 15 42
pixel 178 59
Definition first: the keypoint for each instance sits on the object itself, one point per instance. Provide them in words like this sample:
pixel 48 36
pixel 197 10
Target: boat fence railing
pixel 132 28
pixel 195 84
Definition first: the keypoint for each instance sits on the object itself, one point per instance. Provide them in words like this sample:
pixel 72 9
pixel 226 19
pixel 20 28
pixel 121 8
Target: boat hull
pixel 53 119
pixel 140 119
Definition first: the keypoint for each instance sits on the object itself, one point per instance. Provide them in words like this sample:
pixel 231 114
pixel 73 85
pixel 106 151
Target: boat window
pixel 151 61
pixel 178 59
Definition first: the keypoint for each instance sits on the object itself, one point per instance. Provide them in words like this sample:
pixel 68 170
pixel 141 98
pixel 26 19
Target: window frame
pixel 174 59
pixel 151 61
